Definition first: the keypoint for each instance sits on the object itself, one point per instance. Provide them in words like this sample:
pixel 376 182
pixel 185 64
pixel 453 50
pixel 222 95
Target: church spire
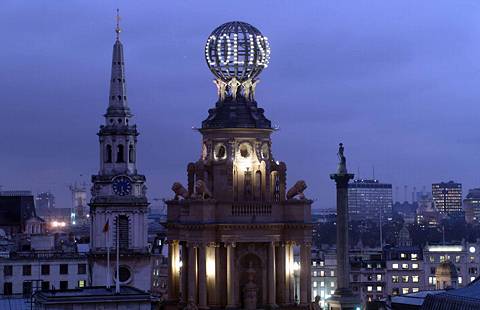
pixel 118 94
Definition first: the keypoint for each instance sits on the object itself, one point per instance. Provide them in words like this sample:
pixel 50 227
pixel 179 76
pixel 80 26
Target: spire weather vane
pixel 118 29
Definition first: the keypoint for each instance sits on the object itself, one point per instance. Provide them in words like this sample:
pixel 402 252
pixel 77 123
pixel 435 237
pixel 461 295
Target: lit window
pixel 332 284
pixel 472 279
pixel 332 292
pixel 369 288
pixel 432 259
pixel 457 259
pixel 379 288
pixel 395 266
pixel 314 283
pixel 432 280
pixel 81 283
pixel 405 279
pixel 315 273
pixel 403 255
pixel 404 266
pixel 322 294
pixel 415 279
pixel 379 277
pixel 442 258
pixel 315 293
pixel 332 273
pixel 322 284
pixel 414 266
pixel 405 290
pixel 322 273
pixel 459 280
pixel 414 289
pixel 321 264
pixel 314 263
pixel 395 279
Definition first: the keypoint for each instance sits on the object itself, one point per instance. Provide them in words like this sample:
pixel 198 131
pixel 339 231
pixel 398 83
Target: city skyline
pixel 55 89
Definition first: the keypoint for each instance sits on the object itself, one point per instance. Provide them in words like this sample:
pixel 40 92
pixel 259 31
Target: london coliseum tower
pixel 233 229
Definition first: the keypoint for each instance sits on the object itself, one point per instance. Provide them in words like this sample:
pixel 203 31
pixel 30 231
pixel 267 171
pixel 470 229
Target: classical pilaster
pixel 281 274
pixel 305 274
pixel 231 298
pixel 202 277
pixel 271 276
pixel 192 273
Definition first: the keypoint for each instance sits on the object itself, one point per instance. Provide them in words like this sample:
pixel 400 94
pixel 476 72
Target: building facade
pixel 369 200
pixel 447 197
pixel 233 230
pixel 22 273
pixel 471 206
pixel 119 206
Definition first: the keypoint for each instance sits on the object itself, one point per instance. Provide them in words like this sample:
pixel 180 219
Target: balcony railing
pixel 252 208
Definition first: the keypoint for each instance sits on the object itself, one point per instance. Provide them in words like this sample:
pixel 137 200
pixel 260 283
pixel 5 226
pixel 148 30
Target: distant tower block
pixel 233 228
pixel 79 203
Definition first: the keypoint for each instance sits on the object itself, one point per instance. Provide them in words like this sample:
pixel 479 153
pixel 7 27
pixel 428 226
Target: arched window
pixel 108 154
pixel 120 152
pixel 122 231
pixel 131 154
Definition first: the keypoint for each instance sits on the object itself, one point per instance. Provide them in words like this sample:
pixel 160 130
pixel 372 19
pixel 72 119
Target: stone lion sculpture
pixel 180 191
pixel 297 190
pixel 201 189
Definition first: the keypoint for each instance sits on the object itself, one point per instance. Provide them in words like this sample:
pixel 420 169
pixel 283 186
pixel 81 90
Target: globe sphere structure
pixel 237 50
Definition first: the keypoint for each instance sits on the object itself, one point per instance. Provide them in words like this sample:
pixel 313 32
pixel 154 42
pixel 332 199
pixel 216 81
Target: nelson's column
pixel 232 231
pixel 118 208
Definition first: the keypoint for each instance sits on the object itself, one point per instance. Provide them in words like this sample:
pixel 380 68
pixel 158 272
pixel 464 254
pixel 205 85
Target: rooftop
pixel 92 294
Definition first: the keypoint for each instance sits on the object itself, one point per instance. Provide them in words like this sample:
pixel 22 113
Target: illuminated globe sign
pixel 236 53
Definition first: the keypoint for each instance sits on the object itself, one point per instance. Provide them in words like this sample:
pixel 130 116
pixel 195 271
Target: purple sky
pixel 396 81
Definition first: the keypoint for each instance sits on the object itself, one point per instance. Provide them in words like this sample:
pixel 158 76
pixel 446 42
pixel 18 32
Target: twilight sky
pixel 396 81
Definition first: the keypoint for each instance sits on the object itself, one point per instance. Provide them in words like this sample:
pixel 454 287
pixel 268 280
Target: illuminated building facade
pixel 233 230
pixel 119 206
pixel 369 200
pixel 464 256
pixel 471 206
pixel 447 198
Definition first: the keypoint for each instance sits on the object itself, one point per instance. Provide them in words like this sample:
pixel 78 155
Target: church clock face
pixel 122 186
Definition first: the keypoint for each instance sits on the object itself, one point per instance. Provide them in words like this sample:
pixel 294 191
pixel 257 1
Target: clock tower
pixel 119 206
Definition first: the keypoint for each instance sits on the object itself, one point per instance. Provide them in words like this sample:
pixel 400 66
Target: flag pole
pixel 117 284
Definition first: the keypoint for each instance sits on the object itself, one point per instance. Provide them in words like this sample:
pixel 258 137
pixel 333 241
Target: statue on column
pixel 250 290
pixel 342 164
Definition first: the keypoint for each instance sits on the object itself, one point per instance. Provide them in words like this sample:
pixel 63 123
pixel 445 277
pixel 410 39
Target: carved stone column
pixel 184 270
pixel 202 277
pixel 305 274
pixel 192 274
pixel 280 274
pixel 173 270
pixel 288 275
pixel 271 276
pixel 231 298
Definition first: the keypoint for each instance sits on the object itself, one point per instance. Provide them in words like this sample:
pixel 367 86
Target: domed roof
pixel 446 269
pixel 239 113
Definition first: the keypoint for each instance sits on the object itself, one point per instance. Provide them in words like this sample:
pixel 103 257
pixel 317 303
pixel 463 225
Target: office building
pixel 471 206
pixel 369 200
pixel 447 197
